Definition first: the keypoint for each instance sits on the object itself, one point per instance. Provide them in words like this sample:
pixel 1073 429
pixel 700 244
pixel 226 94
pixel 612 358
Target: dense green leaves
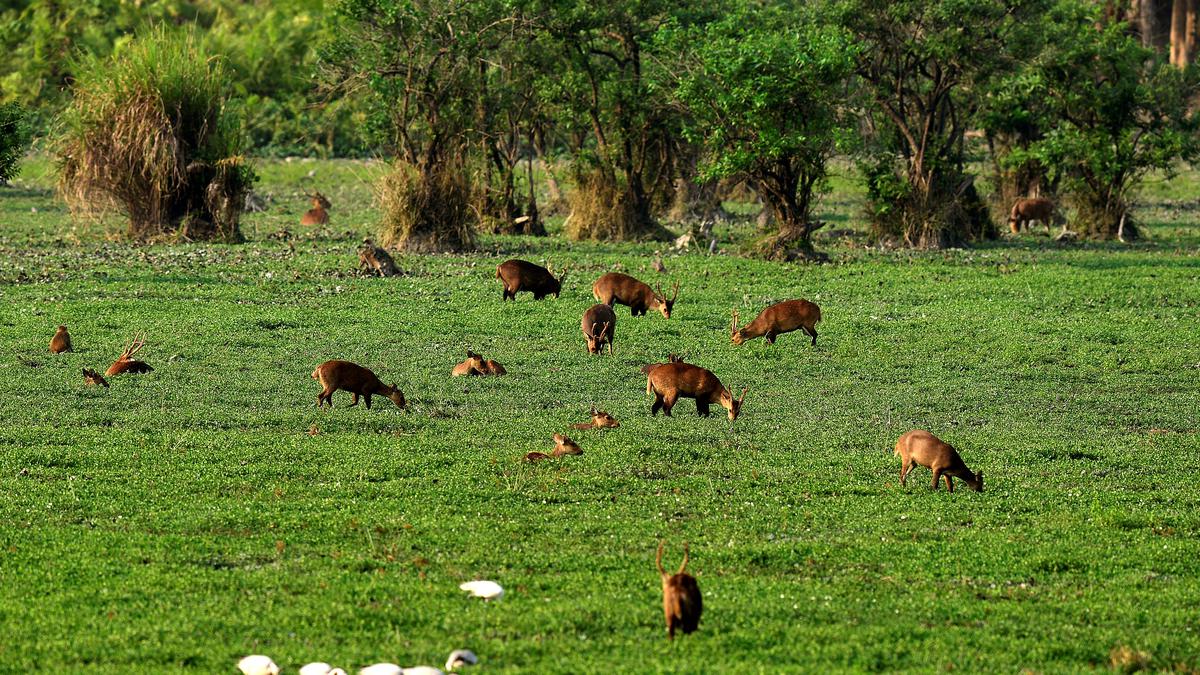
pixel 14 138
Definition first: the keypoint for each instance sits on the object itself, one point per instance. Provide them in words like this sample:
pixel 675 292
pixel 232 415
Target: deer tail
pixel 818 316
pixel 658 559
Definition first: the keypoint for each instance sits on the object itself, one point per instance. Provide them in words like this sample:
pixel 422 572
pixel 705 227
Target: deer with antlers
pixel 126 363
pixel 615 288
pixel 780 318
pixel 599 326
pixel 671 381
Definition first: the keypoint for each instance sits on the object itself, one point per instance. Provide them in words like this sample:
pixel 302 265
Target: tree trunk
pixel 1179 32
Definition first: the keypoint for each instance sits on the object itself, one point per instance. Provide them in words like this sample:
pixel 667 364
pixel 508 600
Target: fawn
pixel 921 447
pixel 682 602
pixel 351 377
pixel 600 420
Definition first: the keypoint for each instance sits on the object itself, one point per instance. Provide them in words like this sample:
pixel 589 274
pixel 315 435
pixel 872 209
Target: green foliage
pixel 765 93
pixel 1113 111
pixel 14 138
pixel 148 133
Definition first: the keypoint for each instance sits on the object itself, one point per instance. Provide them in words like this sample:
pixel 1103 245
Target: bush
pixel 426 213
pixel 148 135
pixel 601 210
pixel 14 138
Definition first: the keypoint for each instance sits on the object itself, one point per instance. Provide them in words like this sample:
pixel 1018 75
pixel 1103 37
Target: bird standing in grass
pixel 257 664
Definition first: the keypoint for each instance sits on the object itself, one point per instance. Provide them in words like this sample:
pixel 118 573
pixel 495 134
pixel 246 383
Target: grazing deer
pixel 783 317
pixel 670 381
pixel 565 446
pixel 351 377
pixel 682 602
pixel 519 275
pixel 921 447
pixel 599 326
pixel 493 367
pixel 600 420
pixel 1025 211
pixel 474 365
pixel 61 342
pixel 126 363
pixel 374 258
pixel 616 288
pixel 318 214
pixel 91 377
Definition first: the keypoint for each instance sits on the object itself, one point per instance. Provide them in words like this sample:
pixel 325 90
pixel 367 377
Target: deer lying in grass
pixel 351 377
pixel 671 381
pixel 126 363
pixel 519 275
pixel 93 378
pixel 783 317
pixel 318 214
pixel 682 602
pixel 1025 211
pixel 600 420
pixel 563 446
pixel 375 259
pixel 921 447
pixel 61 342
pixel 622 289
pixel 473 365
pixel 599 326
pixel 493 367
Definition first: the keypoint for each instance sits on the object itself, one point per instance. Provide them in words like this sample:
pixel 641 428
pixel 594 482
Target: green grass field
pixel 208 510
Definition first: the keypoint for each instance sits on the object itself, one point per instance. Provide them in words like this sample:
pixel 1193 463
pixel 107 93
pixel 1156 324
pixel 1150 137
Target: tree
pixel 14 138
pixel 1121 111
pixel 920 64
pixel 764 92
pixel 149 133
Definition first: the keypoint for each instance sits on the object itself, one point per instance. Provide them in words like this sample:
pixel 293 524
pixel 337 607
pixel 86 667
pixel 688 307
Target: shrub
pixel 14 138
pixel 148 135
pixel 426 212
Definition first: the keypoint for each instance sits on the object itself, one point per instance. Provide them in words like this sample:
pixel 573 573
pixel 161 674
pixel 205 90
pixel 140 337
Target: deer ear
pixel 743 396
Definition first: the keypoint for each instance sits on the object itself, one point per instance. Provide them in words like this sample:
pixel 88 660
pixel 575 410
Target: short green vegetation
pixel 208 510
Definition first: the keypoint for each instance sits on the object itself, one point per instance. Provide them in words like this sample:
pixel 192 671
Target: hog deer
pixel 493 367
pixel 921 447
pixel 375 259
pixel 565 446
pixel 520 275
pixel 61 342
pixel 92 378
pixel 682 602
pixel 125 363
pixel 351 377
pixel 600 420
pixel 599 326
pixel 318 214
pixel 783 317
pixel 670 381
pixel 474 365
pixel 616 288
pixel 1025 211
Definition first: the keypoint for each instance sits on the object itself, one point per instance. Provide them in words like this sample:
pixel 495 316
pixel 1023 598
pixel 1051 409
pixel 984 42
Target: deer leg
pixel 367 397
pixel 658 403
pixel 353 401
pixel 770 337
pixel 668 403
pixel 937 474
pixel 904 469
pixel 702 408
pixel 813 332
pixel 949 483
pixel 320 399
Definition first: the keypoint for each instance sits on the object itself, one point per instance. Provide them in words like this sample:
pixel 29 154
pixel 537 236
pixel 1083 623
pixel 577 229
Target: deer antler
pixel 675 292
pixel 658 291
pixel 135 344
pixel 734 326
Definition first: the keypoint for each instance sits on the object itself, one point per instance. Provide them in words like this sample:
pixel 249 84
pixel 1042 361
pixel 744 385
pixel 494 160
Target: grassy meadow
pixel 208 510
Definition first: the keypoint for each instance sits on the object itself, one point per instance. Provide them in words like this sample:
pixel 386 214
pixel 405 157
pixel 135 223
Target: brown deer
pixel 1025 211
pixel 318 214
pixel 520 275
pixel 565 446
pixel 351 377
pixel 375 259
pixel 616 288
pixel 600 420
pixel 682 602
pixel 126 363
pixel 671 381
pixel 474 365
pixel 493 367
pixel 599 326
pixel 783 317
pixel 61 342
pixel 921 447
pixel 92 378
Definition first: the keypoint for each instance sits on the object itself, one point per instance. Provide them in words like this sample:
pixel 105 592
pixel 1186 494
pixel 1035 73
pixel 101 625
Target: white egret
pixel 488 590
pixel 461 657
pixel 382 669
pixel 257 664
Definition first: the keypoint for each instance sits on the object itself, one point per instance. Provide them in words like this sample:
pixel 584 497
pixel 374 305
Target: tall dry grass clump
pixel 148 134
pixel 426 210
pixel 601 210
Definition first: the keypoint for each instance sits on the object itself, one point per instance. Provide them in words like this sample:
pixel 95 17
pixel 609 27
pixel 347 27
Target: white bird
pixel 488 590
pixel 461 657
pixel 257 664
pixel 382 669
pixel 422 670
pixel 320 668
